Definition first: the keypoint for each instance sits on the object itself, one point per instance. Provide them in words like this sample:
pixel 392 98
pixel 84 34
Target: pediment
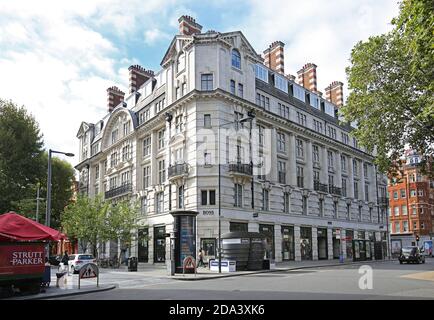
pixel 177 45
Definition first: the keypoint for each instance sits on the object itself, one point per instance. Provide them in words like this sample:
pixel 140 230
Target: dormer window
pixel 114 136
pixel 236 59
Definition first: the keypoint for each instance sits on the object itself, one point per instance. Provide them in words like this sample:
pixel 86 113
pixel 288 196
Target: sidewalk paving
pixel 158 273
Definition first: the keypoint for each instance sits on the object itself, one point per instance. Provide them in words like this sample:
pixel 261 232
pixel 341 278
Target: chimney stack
pixel 114 97
pixel 188 26
pixel 274 57
pixel 335 93
pixel 138 76
pixel 307 77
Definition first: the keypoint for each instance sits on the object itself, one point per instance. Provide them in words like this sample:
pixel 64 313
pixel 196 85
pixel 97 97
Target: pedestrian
pixel 200 264
pixel 65 260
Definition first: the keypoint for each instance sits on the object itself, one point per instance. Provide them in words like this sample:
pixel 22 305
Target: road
pixel 390 280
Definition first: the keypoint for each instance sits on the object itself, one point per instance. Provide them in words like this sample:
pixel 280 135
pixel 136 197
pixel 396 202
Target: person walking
pixel 200 263
pixel 65 260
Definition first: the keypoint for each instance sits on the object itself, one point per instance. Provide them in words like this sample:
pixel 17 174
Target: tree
pixel 21 155
pixel 93 221
pixel 391 88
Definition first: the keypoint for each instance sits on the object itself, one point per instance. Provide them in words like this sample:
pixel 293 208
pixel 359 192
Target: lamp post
pixel 48 208
pixel 250 117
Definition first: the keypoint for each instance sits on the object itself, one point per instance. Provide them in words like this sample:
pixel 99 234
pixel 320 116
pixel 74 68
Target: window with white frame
pixel 314 101
pixel 179 123
pixel 299 92
pixel 330 159
pixel 343 163
pixel 114 136
pixel 286 202
pixel 281 83
pixel 127 128
pixel 281 168
pixel 301 118
pixel 299 150
pixel 146 177
pixel 240 90
pixel 159 202
pixel 207 197
pixel 238 195
pixel 207 121
pixel 345 138
pixel 300 177
pixel 180 197
pixel 207 82
pixel 281 142
pixel 315 154
pixel 261 130
pixel 236 59
pixel 147 146
pixel 283 110
pixel 144 205
pixel 125 178
pixel 265 199
pixel 126 154
pixel 404 210
pixel 232 86
pixel 161 137
pixel 114 159
pixel 261 72
pixel 329 108
pixel 161 171
pixel 331 132
pixel 317 126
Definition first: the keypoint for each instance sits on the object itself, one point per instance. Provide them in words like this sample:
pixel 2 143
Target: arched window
pixel 236 59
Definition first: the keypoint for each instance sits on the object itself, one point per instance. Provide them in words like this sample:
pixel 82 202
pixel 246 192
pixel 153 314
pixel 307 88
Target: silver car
pixel 76 261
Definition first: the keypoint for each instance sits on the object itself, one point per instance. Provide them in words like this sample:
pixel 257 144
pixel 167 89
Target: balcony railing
pixel 317 186
pixel 178 169
pixel 241 168
pixel 383 201
pixel 126 188
pixel 335 190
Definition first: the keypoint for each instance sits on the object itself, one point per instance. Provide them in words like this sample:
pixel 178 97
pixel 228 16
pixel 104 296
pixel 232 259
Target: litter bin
pixel 132 264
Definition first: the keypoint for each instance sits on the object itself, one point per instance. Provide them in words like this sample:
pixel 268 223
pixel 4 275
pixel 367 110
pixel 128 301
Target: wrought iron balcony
pixel 383 201
pixel 335 190
pixel 242 168
pixel 126 188
pixel 179 169
pixel 317 186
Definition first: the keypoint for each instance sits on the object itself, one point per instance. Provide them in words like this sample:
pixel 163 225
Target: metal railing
pixel 335 190
pixel 383 201
pixel 178 169
pixel 241 168
pixel 317 186
pixel 126 188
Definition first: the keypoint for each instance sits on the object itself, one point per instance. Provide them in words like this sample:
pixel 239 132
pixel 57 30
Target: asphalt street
pixel 390 280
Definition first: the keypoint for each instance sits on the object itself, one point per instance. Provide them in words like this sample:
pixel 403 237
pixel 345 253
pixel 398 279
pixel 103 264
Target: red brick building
pixel 411 205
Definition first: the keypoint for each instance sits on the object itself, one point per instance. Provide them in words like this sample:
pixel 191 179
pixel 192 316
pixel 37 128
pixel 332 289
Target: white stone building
pixel 315 181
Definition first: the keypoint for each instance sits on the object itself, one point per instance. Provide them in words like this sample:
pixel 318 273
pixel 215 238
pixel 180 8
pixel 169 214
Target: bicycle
pixel 114 263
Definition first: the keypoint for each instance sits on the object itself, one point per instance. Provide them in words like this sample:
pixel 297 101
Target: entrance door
pixel 159 244
pixel 322 244
pixel 288 243
pixel 306 243
pixel 268 231
pixel 143 245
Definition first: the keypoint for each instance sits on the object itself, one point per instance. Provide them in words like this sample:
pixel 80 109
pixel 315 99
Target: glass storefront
pixel 288 252
pixel 159 244
pixel 238 226
pixel 209 246
pixel 349 235
pixel 306 243
pixel 322 243
pixel 142 237
pixel 268 231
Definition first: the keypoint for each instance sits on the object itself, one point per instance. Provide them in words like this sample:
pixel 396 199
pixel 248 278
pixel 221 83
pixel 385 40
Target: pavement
pixel 157 274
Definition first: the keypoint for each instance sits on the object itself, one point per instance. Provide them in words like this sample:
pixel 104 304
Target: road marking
pixel 428 276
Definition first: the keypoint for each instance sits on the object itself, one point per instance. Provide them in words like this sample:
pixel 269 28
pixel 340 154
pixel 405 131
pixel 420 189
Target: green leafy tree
pixel 21 155
pixel 391 88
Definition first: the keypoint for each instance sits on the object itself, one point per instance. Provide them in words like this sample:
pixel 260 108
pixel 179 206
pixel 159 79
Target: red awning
pixel 16 227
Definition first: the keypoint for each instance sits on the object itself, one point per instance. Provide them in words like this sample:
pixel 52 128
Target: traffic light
pixel 417 237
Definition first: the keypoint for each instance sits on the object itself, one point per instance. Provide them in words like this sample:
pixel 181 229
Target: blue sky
pixel 58 57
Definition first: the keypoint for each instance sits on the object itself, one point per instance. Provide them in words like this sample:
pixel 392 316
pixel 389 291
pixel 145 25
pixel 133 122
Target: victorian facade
pixel 299 177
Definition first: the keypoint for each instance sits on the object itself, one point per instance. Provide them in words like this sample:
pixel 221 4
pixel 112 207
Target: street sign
pixel 89 270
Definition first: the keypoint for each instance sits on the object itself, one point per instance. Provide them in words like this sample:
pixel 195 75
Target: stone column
pixel 350 189
pixel 297 253
pixel 278 242
pixel 292 161
pixel 362 181
pixel 324 166
pixel 151 245
pixel 338 167
pixel 273 156
pixel 314 243
pixel 309 168
pixel 373 185
pixel 330 243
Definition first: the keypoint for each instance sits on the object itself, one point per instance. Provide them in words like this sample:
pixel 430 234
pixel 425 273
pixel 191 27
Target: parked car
pixel 76 261
pixel 411 255
pixel 55 260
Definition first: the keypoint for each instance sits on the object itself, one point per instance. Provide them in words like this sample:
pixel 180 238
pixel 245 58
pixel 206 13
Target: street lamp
pixel 250 117
pixel 48 208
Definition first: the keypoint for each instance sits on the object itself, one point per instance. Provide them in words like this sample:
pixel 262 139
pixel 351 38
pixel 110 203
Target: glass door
pixel 159 244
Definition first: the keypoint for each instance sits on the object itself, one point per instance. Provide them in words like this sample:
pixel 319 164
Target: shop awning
pixel 14 227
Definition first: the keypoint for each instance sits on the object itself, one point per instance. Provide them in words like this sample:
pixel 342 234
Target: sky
pixel 58 57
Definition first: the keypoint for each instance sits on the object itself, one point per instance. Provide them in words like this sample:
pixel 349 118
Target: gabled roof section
pixel 245 44
pixel 172 47
pixel 84 126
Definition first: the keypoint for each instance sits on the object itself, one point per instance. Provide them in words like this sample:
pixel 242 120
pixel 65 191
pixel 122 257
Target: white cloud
pixel 154 35
pixel 317 31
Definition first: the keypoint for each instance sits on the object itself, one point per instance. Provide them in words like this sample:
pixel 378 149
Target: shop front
pixel 159 244
pixel 336 243
pixel 268 232
pixel 322 244
pixel 349 235
pixel 288 248
pixel 306 243
pixel 238 226
pixel 209 246
pixel 143 237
